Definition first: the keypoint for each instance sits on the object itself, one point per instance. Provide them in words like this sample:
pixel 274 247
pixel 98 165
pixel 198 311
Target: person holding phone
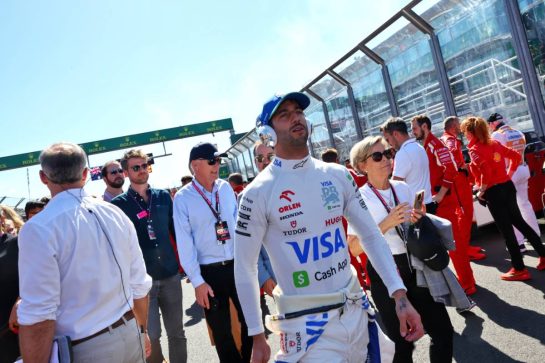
pixel 389 202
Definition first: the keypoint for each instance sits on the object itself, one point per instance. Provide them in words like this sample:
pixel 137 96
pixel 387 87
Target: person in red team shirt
pixel 488 160
pixel 462 182
pixel 443 172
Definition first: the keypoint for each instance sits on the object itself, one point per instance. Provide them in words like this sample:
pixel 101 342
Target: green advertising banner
pixel 224 172
pixel 124 142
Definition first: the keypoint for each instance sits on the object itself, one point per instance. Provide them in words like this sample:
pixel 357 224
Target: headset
pixel 90 210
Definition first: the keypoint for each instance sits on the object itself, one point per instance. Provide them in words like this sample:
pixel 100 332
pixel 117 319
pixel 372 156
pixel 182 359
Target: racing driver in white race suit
pixel 294 207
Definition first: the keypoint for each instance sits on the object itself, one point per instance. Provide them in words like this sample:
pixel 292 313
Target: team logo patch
pixel 300 164
pixel 300 279
pixel 330 195
pixel 497 157
pixel 286 195
pixel 293 224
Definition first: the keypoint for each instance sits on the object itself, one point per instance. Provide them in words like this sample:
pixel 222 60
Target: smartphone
pixel 418 200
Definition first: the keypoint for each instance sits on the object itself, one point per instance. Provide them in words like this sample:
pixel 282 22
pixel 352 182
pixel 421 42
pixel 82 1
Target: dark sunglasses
pixel 136 168
pixel 377 155
pixel 213 161
pixel 116 171
pixel 260 158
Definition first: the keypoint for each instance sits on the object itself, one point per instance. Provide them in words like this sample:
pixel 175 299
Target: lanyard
pixel 399 228
pixel 148 210
pixel 215 212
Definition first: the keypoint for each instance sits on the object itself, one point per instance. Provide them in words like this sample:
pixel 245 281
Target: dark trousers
pixel 9 346
pixel 502 203
pixel 434 315
pixel 222 281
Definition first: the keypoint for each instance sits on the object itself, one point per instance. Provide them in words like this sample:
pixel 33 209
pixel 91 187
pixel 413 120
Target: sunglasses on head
pixel 136 168
pixel 260 158
pixel 213 161
pixel 377 155
pixel 116 171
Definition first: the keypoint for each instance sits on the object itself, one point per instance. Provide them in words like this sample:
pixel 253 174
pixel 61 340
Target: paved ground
pixel 507 326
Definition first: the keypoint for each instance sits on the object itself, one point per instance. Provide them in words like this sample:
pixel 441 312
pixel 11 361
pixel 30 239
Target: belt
pixel 290 306
pixel 129 315
pixel 216 264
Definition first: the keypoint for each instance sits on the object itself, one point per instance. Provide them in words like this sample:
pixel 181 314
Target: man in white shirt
pixel 411 160
pixel 204 220
pixel 514 139
pixel 294 207
pixel 81 271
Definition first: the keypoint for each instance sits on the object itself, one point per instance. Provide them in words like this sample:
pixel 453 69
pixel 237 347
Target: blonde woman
pixel 389 204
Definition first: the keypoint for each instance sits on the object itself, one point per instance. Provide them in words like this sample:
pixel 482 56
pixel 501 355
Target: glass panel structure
pixel 367 82
pixel 483 69
pixel 319 137
pixel 533 18
pixel 407 54
pixel 484 74
pixel 340 114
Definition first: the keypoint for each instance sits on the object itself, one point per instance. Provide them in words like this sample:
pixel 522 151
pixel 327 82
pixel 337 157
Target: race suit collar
pixel 296 164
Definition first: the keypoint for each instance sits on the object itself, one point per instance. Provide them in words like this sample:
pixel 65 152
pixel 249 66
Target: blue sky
pixel 82 71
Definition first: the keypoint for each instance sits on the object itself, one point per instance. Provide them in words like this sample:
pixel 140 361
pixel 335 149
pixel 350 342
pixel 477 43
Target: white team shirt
pixel 511 138
pixel 378 212
pixel 411 164
pixel 67 270
pixel 295 209
pixel 194 224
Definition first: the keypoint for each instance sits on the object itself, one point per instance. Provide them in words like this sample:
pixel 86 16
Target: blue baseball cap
pixel 269 108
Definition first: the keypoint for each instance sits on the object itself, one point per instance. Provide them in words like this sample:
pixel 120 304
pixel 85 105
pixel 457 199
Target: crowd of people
pixel 312 234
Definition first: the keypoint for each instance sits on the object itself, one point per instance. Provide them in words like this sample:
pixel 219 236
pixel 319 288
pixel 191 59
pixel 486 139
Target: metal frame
pixel 438 60
pixel 326 114
pixel 529 78
pixel 351 100
pixel 528 72
pixel 385 77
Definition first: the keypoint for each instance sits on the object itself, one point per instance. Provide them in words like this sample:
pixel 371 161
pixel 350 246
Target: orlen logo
pixel 332 221
pixel 289 207
pixel 318 247
pixel 285 195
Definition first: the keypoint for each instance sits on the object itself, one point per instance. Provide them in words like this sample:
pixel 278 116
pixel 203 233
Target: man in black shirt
pixel 150 210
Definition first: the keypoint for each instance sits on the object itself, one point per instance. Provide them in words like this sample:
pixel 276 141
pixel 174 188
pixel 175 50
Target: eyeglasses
pixel 377 155
pixel 116 171
pixel 213 161
pixel 136 168
pixel 260 158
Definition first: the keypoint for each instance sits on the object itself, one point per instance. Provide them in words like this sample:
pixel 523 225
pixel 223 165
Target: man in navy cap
pixel 294 208
pixel 204 218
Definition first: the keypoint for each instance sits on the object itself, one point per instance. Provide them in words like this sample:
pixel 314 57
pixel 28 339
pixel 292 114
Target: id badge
pixel 151 232
pixel 142 214
pixel 222 232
